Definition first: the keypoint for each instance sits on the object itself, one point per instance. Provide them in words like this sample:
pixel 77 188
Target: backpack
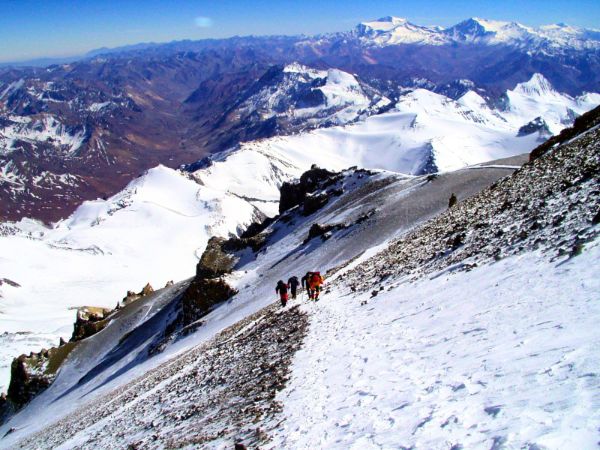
pixel 315 277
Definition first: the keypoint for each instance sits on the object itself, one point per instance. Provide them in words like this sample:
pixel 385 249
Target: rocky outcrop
pixel 324 231
pixel 312 203
pixel 90 320
pixel 202 295
pixel 31 375
pixel 295 193
pixel 538 125
pixel 133 296
pixel 208 287
pixel 257 227
pixel 9 282
pixel 215 261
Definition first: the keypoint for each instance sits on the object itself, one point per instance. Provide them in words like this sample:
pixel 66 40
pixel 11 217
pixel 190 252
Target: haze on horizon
pixel 32 29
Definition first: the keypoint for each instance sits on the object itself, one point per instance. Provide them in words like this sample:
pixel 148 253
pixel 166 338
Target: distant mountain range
pixel 82 130
pixel 549 38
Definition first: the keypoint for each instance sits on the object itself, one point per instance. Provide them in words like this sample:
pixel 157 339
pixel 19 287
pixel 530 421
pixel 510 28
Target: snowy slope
pixel 109 247
pixel 502 356
pixel 472 350
pixel 399 204
pixel 429 132
pixel 153 231
pixel 106 248
pixel 316 96
pixel 47 128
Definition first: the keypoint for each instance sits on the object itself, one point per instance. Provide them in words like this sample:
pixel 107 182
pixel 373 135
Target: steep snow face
pixel 395 31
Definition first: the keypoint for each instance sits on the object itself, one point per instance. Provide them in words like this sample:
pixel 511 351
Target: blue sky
pixel 55 28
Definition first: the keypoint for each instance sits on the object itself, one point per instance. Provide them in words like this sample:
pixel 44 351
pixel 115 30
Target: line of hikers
pixel 312 282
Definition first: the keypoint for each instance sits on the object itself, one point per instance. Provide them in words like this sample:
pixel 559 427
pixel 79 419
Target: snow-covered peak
pixel 385 23
pixel 472 99
pixel 297 97
pixel 538 98
pixel 395 30
pixel 477 30
pixel 301 69
pixel 537 86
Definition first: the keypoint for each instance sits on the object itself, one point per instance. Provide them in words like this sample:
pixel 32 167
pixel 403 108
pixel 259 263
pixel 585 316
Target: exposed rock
pixel 452 200
pixel 9 282
pixel 236 244
pixel 294 193
pixel 322 230
pixel 133 296
pixel 214 262
pixel 312 203
pixel 202 295
pixel 257 227
pixel 536 125
pixel 209 288
pixel 582 123
pixel 31 375
pixel 130 297
pixel 169 283
pixel 147 290
pixel 90 320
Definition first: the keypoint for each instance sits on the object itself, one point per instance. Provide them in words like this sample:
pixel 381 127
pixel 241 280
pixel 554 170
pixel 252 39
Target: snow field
pixel 503 355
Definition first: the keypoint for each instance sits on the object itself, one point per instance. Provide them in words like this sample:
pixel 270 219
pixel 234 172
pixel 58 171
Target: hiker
pixel 304 280
pixel 282 290
pixel 293 284
pixel 313 282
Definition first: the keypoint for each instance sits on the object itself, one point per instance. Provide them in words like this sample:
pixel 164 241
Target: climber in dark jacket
pixel 293 284
pixel 282 290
